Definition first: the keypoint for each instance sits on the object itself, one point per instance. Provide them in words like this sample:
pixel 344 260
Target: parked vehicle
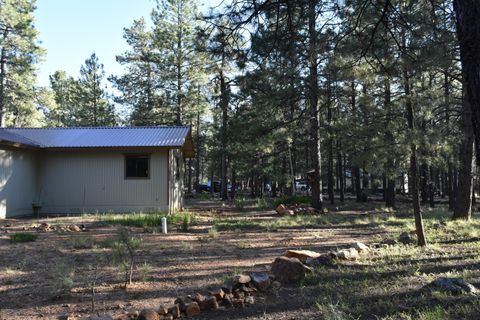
pixel 301 185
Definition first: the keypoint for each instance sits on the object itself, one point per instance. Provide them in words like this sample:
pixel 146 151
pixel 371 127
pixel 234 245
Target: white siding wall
pixel 176 180
pixel 95 182
pixel 17 182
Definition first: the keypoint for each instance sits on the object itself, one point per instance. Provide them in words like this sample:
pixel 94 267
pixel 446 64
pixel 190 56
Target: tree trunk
pixel 463 197
pixel 316 182
pixel 224 100
pixel 197 158
pixel 340 176
pixel 330 180
pixel 3 77
pixel 468 32
pixel 413 179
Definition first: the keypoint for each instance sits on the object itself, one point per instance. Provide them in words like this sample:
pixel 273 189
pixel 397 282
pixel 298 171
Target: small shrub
pixel 125 250
pixel 290 200
pixel 240 203
pixel 186 222
pixel 81 242
pixel 263 204
pixel 64 274
pixel 23 237
pixel 145 269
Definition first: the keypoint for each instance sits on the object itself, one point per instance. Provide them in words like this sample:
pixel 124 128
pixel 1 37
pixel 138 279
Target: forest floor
pixel 52 276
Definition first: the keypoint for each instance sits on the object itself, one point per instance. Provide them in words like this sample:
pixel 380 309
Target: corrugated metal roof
pixel 99 136
pixel 13 138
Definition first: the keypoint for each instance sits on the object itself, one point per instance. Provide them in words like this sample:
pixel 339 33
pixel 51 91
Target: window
pixel 137 166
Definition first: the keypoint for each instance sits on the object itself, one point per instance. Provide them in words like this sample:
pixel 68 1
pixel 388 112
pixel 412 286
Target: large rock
pixel 405 238
pixel 323 260
pixel 209 303
pixel 289 270
pixel 281 209
pixel 175 311
pixel 346 254
pixel 192 310
pixel 454 285
pixel 148 314
pixel 360 247
pixel 302 255
pixel 260 280
pixel 241 279
pixel 217 293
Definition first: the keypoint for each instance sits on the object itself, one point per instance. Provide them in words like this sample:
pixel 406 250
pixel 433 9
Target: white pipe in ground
pixel 164 225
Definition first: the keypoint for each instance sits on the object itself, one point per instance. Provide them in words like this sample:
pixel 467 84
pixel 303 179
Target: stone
pixel 217 293
pixel 74 228
pixel 209 303
pixel 148 314
pixel 302 255
pixel 289 270
pixel 228 300
pixel 44 227
pixel 454 286
pixel 280 209
pixel 405 238
pixel 250 300
pixel 311 210
pixel 101 317
pixel 238 303
pixel 182 303
pixel 175 311
pixel 323 260
pixel 389 242
pixel 360 247
pixel 227 287
pixel 346 254
pixel 192 310
pixel 241 279
pixel 261 280
pixel 199 298
pixel 289 212
pixel 238 294
pixel 162 310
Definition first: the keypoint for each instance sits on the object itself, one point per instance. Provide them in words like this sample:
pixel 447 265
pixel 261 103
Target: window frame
pixel 138 155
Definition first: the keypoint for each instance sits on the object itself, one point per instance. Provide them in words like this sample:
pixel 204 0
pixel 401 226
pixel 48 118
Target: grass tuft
pixel 23 237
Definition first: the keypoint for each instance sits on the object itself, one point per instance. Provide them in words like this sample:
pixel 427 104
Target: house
pixel 77 170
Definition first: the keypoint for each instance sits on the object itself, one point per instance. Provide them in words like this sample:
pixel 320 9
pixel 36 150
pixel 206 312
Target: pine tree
pixel 19 53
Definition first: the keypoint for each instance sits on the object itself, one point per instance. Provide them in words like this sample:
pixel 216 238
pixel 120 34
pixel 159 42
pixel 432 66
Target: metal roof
pixel 96 137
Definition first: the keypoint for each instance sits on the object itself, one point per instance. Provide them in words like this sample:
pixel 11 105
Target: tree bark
pixel 413 179
pixel 317 201
pixel 468 33
pixel 3 77
pixel 340 176
pixel 224 100
pixel 463 197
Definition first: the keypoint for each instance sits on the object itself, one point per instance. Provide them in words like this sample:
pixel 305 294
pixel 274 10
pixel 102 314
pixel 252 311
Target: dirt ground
pixel 168 266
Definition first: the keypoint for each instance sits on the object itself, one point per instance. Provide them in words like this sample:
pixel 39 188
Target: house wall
pixel 18 182
pixel 94 181
pixel 176 172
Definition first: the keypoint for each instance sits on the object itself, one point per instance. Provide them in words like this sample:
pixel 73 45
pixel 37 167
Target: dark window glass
pixel 137 167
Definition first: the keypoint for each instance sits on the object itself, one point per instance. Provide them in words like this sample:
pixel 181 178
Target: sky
pixel 71 30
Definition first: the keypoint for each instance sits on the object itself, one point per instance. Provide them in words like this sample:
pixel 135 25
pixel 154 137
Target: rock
pixel 454 285
pixel 346 254
pixel 280 209
pixel 389 242
pixel 217 293
pixel 250 300
pixel 261 280
pixel 323 260
pixel 239 294
pixel 162 310
pixel 192 310
pixel 311 210
pixel 289 270
pixel 405 238
pixel 228 300
pixel 182 303
pixel 74 228
pixel 100 317
pixel 360 247
pixel 241 279
pixel 175 311
pixel 148 314
pixel 289 212
pixel 44 227
pixel 302 255
pixel 66 317
pixel 227 287
pixel 199 298
pixel 168 317
pixel 238 303
pixel 209 303
pixel 246 289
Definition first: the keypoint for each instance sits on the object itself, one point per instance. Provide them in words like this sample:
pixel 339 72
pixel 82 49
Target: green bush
pixel 290 200
pixel 140 219
pixel 23 237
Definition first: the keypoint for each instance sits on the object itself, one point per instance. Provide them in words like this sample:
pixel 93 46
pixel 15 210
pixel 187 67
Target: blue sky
pixel 70 30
